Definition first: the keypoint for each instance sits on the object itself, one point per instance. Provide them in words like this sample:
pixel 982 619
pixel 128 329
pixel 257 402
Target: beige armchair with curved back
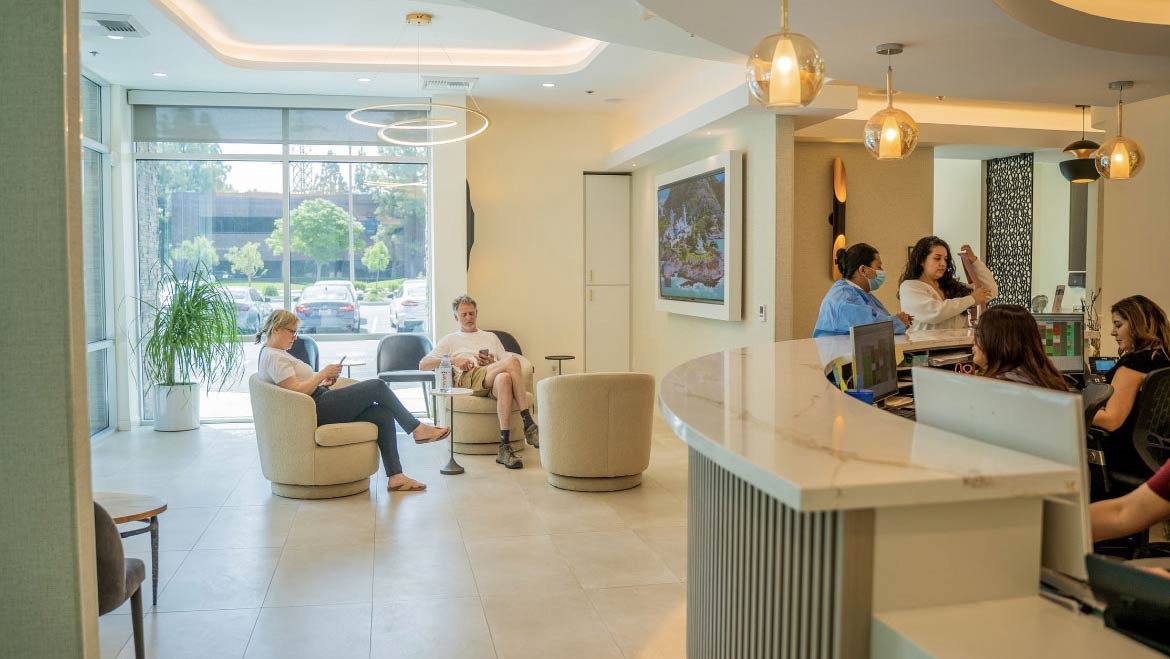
pixel 595 430
pixel 301 460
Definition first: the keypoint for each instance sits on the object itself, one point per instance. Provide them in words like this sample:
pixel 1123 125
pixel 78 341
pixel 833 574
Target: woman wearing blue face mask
pixel 850 301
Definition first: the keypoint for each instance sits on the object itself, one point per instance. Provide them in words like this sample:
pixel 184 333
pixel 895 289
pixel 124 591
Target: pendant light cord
pixel 1120 102
pixel 889 79
pixel 783 16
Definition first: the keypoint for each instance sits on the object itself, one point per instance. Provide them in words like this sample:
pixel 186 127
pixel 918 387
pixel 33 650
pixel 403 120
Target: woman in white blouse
pixel 930 292
pixel 369 400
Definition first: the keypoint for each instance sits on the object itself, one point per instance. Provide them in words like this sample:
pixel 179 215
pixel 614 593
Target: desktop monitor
pixel 1041 422
pixel 1063 335
pixel 874 367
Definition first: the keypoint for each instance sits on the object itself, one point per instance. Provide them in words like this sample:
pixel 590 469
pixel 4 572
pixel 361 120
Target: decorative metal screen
pixel 1009 227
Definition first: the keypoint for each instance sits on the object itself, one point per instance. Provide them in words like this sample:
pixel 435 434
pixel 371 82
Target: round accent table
pixel 350 363
pixel 452 468
pixel 124 508
pixel 559 359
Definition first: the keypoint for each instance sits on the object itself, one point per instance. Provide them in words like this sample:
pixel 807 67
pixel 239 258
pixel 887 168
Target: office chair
pixel 509 341
pixel 1093 398
pixel 305 349
pixel 398 358
pixel 1151 431
pixel 118 578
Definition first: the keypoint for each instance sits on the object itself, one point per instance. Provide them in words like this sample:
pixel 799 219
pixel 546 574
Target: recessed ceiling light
pixel 548 84
pixel 364 79
pixel 115 37
pixel 159 74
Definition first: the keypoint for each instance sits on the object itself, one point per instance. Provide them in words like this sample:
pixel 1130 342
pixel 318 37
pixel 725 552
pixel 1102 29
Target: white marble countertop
pixel 769 415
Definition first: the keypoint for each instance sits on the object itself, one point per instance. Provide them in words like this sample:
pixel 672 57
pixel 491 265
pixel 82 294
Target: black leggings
pixel 372 401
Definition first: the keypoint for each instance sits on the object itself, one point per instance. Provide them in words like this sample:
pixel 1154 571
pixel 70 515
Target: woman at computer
pixel 929 291
pixel 1008 347
pixel 1143 338
pixel 850 300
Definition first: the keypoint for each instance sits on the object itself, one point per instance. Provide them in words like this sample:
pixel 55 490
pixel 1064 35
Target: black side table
pixel 559 359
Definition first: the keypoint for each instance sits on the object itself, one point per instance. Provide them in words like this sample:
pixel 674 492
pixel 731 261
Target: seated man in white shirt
pixel 482 365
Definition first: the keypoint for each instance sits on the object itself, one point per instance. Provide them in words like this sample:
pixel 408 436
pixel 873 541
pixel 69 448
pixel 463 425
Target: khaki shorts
pixel 473 380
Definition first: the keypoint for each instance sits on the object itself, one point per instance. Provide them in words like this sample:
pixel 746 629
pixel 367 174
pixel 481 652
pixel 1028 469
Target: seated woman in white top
pixel 930 293
pixel 370 400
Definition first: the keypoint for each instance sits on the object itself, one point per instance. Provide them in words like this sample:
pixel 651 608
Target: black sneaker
pixel 532 436
pixel 507 457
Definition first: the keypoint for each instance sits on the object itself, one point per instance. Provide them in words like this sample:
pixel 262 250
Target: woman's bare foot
pixel 404 483
pixel 425 434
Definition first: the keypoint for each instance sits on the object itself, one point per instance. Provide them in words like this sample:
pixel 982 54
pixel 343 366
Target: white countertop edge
pixel 946 489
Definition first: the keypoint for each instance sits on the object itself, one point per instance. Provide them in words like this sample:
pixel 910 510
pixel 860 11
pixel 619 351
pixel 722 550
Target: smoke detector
pixel 117 25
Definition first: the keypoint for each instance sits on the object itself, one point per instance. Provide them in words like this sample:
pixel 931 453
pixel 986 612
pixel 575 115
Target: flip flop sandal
pixel 441 436
pixel 408 486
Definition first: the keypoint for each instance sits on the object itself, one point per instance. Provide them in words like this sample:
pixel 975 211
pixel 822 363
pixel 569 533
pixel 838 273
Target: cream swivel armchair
pixel 476 429
pixel 595 430
pixel 304 461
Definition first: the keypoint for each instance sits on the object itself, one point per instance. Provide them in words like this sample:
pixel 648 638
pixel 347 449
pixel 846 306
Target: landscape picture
pixel 692 247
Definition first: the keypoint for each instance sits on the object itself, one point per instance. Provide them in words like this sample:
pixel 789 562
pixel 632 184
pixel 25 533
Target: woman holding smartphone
pixel 369 400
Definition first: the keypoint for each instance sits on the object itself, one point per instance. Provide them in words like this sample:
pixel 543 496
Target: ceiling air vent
pixel 448 84
pixel 118 25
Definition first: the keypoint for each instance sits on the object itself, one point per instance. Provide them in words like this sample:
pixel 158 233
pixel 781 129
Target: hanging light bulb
pixel 1082 168
pixel 786 69
pixel 1119 158
pixel 890 134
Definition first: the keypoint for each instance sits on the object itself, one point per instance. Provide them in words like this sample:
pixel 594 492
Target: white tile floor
pixel 493 563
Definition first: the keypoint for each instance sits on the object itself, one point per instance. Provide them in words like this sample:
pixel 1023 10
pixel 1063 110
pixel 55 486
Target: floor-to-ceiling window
pixel 290 208
pixel 97 245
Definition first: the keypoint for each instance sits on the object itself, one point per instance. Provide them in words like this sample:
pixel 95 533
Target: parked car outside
pixel 340 282
pixel 251 308
pixel 410 308
pixel 328 306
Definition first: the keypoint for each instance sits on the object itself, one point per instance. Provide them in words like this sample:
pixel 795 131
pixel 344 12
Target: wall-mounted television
pixel 700 225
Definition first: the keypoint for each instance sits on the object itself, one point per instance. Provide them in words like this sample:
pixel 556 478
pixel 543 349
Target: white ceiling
pixel 967 48
pixel 618 75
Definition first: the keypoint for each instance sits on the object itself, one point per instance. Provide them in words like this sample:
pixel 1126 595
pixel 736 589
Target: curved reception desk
pixel 821 527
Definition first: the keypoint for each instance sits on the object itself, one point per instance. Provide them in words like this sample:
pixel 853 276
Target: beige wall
pixel 49 608
pixel 958 202
pixel 889 205
pixel 663 340
pixel 527 187
pixel 1136 220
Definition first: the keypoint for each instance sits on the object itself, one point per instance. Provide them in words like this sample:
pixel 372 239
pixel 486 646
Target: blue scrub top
pixel 846 305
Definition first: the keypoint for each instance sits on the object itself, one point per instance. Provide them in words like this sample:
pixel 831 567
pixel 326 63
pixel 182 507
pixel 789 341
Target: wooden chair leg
pixel 136 620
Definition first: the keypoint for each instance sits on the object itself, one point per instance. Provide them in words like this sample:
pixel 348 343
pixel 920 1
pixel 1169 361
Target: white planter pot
pixel 176 407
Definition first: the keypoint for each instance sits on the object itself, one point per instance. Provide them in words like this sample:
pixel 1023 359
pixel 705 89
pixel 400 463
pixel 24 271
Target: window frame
pixel 284 158
pixel 102 148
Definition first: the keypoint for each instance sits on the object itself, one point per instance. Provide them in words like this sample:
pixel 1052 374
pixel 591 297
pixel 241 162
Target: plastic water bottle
pixel 446 375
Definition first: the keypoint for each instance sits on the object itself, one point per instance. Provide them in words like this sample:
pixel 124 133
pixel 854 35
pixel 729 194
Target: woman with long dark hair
pixel 1143 338
pixel 1008 346
pixel 850 300
pixel 930 292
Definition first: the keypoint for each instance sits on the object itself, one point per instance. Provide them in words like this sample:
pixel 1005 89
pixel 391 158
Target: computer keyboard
pixel 904 412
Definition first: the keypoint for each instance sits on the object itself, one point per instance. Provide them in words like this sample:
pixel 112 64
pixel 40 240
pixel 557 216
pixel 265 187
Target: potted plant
pixel 189 337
